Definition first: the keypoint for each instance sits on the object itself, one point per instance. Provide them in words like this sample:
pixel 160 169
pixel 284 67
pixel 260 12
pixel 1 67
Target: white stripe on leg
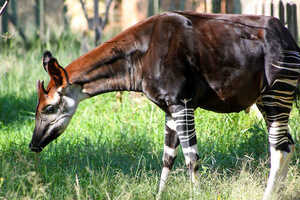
pixel 187 151
pixel 171 124
pixel 170 151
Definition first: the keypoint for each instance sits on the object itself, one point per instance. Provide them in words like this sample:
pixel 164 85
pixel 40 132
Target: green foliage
pixel 113 150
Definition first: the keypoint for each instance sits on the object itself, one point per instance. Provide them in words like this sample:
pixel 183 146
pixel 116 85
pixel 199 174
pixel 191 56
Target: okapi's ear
pixel 55 71
pixel 46 58
pixel 40 88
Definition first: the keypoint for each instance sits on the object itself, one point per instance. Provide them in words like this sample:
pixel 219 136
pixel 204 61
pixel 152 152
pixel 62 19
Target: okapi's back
pixel 257 21
pixel 229 54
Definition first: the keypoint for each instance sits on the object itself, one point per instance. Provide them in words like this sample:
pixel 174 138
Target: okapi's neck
pixel 115 65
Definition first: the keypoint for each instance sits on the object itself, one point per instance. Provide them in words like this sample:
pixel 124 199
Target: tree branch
pixel 84 10
pixel 20 31
pixel 105 20
pixel 4 7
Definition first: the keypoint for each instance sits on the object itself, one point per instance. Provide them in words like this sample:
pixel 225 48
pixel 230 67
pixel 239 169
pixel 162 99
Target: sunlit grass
pixel 113 150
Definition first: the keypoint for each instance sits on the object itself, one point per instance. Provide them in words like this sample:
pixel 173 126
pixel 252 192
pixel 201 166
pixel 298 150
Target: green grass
pixel 113 150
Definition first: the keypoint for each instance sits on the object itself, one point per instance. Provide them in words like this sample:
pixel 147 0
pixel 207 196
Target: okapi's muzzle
pixel 42 139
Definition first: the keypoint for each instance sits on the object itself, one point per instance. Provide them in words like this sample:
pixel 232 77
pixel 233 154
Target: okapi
pixel 181 61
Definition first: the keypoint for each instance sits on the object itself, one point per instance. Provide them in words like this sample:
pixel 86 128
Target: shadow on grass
pixel 14 109
pixel 231 156
pixel 128 155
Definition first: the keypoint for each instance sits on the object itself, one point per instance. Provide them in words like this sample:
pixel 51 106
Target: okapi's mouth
pixel 38 147
pixel 35 148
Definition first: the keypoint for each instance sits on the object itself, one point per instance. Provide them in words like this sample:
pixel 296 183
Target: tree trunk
pixel 4 21
pixel 42 19
pixel 37 14
pixel 39 18
pixel 66 23
pixel 97 26
pixel 14 12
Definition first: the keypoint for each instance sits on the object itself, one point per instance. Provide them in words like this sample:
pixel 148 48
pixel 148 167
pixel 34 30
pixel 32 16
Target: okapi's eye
pixel 50 109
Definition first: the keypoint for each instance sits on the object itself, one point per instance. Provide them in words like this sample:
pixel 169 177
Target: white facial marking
pixel 71 103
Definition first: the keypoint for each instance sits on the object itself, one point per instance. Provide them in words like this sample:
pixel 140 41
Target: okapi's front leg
pixel 185 128
pixel 170 151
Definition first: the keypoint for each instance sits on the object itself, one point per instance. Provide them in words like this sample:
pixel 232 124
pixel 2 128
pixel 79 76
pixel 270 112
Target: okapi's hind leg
pixel 279 158
pixel 277 103
pixel 170 151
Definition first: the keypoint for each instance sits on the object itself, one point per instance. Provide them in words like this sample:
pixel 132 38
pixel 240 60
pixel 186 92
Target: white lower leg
pixel 286 164
pixel 279 168
pixel 163 179
pixel 168 157
pixel 194 174
pixel 191 162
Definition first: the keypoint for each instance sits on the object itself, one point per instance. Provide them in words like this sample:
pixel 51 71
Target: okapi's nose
pixel 35 148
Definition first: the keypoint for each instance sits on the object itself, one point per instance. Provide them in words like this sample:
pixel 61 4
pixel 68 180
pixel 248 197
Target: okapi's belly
pixel 230 105
pixel 239 96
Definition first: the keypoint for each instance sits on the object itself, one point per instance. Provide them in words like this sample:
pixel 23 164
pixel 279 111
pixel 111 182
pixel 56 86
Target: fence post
pixel 216 6
pixel 229 7
pixel 275 8
pixel 291 14
pixel 294 8
pixel 281 12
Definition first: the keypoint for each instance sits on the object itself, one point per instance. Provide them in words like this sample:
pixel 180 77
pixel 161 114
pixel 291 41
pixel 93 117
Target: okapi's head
pixel 56 104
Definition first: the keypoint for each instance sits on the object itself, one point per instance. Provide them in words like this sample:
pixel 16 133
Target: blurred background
pixel 28 23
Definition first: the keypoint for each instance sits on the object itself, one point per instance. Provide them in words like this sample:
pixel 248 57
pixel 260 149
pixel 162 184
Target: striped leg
pixel 185 127
pixel 277 103
pixel 170 151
